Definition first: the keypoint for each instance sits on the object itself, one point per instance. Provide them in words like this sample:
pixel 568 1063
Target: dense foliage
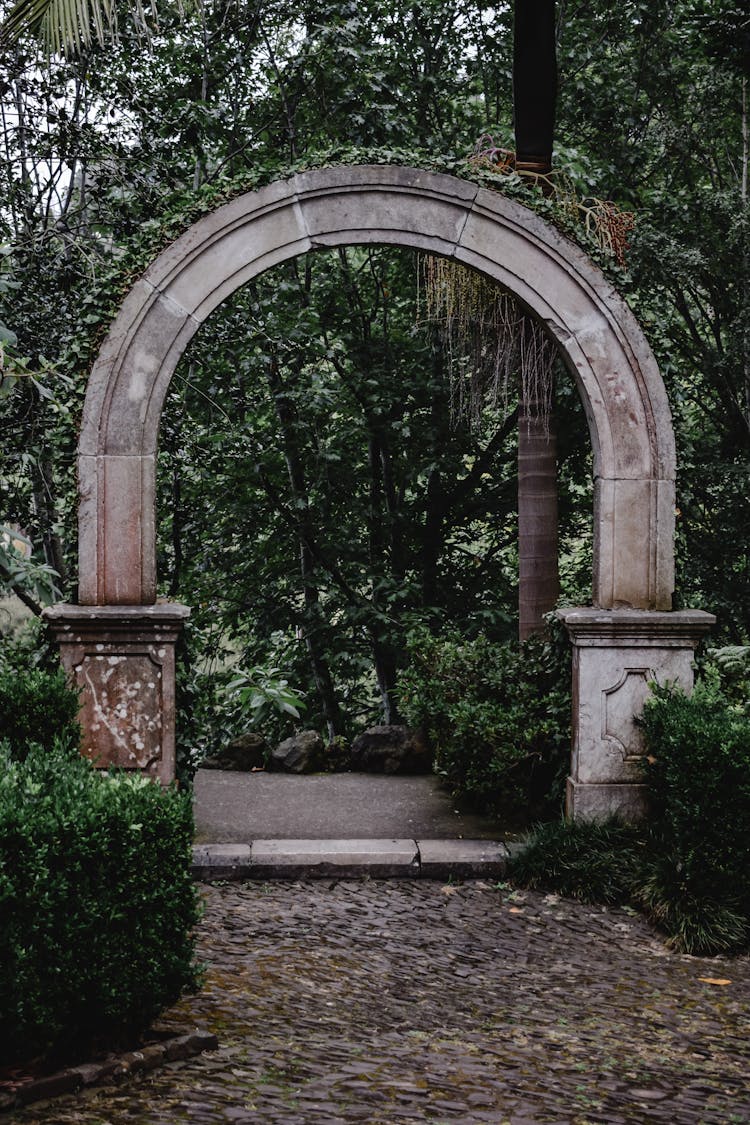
pixel 97 902
pixel 689 867
pixel 37 706
pixel 699 779
pixel 313 407
pixel 498 719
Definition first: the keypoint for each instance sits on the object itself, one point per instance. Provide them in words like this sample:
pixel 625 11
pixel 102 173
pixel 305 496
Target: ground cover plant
pixel 688 867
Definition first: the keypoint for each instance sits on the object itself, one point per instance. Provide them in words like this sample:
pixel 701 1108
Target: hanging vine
pixel 494 349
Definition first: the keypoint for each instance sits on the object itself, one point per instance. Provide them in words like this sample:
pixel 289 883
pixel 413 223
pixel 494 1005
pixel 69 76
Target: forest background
pixel 319 497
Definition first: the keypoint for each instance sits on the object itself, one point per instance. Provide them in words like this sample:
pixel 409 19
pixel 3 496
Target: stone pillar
pixel 123 660
pixel 616 654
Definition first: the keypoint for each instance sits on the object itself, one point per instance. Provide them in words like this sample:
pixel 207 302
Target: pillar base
pixel 616 655
pixel 122 658
pixel 598 802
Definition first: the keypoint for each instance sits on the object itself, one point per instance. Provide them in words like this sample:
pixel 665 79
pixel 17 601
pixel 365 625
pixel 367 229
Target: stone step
pixel 351 859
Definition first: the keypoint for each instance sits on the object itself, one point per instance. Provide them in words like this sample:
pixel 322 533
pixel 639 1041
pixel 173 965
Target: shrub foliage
pixel 97 906
pixel 497 716
pixel 698 773
pixel 688 867
pixel 37 706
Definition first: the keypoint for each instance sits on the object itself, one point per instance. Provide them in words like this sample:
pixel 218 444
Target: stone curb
pixel 112 1069
pixel 351 859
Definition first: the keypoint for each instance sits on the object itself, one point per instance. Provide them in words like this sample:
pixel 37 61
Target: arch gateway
pixel 119 642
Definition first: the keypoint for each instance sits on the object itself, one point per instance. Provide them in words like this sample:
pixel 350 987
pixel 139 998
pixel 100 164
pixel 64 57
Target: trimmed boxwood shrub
pixel 497 716
pixel 698 774
pixel 97 904
pixel 36 706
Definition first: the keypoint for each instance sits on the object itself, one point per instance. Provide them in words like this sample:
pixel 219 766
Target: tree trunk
pixel 538 579
pixel 534 83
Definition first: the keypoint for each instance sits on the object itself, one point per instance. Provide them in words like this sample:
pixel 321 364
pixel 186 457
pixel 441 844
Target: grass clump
pixel 592 861
pixel 688 866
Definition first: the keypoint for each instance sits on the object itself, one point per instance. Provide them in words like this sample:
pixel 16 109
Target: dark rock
pixel 247 752
pixel 302 753
pixel 391 749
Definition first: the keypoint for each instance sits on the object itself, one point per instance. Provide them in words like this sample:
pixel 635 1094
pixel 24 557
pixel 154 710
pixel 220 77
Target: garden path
pixel 403 1002
pixel 236 807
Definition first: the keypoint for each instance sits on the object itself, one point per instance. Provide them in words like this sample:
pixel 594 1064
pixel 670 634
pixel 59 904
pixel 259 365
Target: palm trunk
pixel 538 579
pixel 534 83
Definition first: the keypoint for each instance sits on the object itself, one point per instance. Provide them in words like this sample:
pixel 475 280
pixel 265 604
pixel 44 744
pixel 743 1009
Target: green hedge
pixel 496 714
pixel 698 773
pixel 688 865
pixel 36 706
pixel 97 905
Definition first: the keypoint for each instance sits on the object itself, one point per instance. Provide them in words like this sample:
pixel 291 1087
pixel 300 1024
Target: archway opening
pixel 323 494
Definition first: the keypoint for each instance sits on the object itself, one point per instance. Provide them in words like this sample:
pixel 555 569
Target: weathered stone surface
pixel 623 393
pixel 122 659
pixel 409 1002
pixel 351 859
pixel 464 859
pixel 247 752
pixel 616 654
pixel 293 859
pixel 603 346
pixel 221 861
pixel 302 753
pixel 391 749
pixel 64 1082
pixel 239 808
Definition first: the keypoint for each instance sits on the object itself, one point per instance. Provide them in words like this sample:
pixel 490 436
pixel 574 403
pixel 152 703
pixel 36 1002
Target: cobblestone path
pixel 394 1003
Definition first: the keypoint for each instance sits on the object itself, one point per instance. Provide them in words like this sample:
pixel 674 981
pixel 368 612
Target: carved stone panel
pixel 122 708
pixel 616 655
pixel 122 659
pixel 621 704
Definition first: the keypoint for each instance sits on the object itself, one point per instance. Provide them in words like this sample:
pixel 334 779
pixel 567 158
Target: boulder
pixel 248 752
pixel 391 749
pixel 302 753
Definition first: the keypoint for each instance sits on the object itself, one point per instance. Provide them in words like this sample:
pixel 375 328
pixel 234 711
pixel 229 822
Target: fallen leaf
pixel 448 890
pixel 714 980
pixel 515 910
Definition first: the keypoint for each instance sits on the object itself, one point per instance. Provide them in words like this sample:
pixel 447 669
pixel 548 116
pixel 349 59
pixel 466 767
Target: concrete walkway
pixel 237 808
pixel 282 826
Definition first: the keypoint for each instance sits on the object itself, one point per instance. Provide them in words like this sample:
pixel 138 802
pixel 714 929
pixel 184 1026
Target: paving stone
pixel 441 859
pixel 413 1002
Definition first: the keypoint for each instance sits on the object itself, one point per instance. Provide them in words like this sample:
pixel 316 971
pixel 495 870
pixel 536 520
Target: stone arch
pixel 599 338
pixel 603 346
